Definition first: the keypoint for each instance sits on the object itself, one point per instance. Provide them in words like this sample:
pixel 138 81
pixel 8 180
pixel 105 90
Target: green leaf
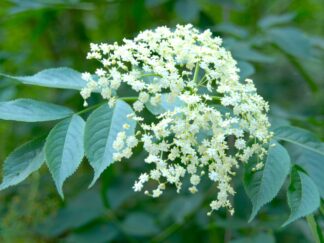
pixel 83 209
pixel 62 77
pixel 243 51
pixel 22 162
pixel 273 20
pixel 188 10
pixel 140 224
pixel 258 238
pixel 246 69
pixel 28 110
pixel 303 196
pixel 292 41
pixel 182 206
pixel 164 105
pixel 313 164
pixel 64 149
pixel 262 186
pixel 101 233
pixel 101 130
pixel 299 137
pixel 232 29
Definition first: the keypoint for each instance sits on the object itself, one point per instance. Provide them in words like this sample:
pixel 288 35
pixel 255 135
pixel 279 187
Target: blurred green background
pixel 278 43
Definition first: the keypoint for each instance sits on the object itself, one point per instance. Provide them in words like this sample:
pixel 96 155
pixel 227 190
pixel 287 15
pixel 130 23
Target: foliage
pixel 278 43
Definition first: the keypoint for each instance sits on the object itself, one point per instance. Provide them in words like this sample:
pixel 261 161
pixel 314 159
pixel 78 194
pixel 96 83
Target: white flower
pixel 138 106
pixel 194 180
pixel 240 143
pixel 191 139
pixel 213 175
pixel 138 186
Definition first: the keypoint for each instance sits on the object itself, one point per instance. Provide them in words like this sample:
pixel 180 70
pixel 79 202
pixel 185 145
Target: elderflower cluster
pixel 196 139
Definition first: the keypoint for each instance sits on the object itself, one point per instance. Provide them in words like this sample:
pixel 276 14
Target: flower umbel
pixel 196 139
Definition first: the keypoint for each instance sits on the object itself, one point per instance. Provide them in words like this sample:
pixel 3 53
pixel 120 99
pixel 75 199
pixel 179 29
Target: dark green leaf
pixel 97 234
pixel 140 224
pixel 292 41
pixel 80 211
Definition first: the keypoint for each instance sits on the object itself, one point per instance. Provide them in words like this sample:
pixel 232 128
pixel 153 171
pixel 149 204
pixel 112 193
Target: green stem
pixel 315 229
pixel 216 98
pixel 195 78
pixel 150 75
pixel 126 99
pixel 130 99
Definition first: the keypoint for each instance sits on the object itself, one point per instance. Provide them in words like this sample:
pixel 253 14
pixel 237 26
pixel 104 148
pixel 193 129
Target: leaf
pixel 182 206
pixel 292 41
pixel 262 186
pixel 188 10
pixel 64 149
pixel 140 224
pixel 80 211
pixel 22 162
pixel 246 69
pixel 232 29
pixel 62 77
pixel 8 93
pixel 273 20
pixel 101 130
pixel 243 51
pixel 28 110
pixel 299 137
pixel 313 164
pixel 165 105
pixel 258 238
pixel 98 234
pixel 303 196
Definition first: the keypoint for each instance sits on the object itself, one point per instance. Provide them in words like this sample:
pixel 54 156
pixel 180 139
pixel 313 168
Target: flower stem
pixel 195 78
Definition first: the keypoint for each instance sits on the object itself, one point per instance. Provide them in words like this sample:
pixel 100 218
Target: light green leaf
pixel 28 110
pixel 22 162
pixel 262 186
pixel 313 164
pixel 64 149
pixel 292 41
pixel 188 10
pixel 140 224
pixel 62 77
pixel 232 29
pixel 273 20
pixel 303 196
pixel 243 51
pixel 165 105
pixel 299 137
pixel 101 130
pixel 246 69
